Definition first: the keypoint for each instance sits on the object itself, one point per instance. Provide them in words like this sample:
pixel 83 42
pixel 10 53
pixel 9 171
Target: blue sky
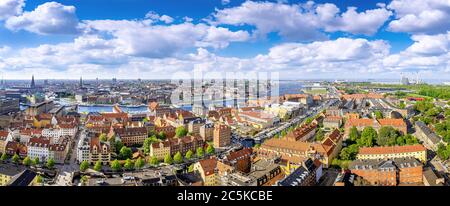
pixel 162 38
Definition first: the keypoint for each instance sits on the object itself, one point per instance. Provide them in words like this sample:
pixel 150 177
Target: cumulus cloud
pixel 428 52
pixel 9 8
pixel 138 38
pixel 156 17
pixel 48 18
pixel 420 17
pixel 302 21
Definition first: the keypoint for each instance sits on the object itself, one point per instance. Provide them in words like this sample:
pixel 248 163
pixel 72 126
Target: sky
pixel 161 39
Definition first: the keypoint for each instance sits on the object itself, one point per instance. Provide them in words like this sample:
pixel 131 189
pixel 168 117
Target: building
pixel 8 171
pixel 222 136
pixel 332 122
pixel 265 172
pixel 23 179
pixel 425 134
pixel 360 124
pixel 305 99
pixel 303 133
pixel 430 178
pixel 130 135
pixel 39 148
pixel 259 119
pixel 417 151
pixel 305 175
pixel 195 125
pixel 13 147
pixel 206 168
pixel 185 144
pixel 83 148
pixel 240 160
pixel 3 137
pixel 39 108
pixel 99 151
pixel 8 105
pixel 297 151
pixel 160 149
pixel 207 131
pixel 389 172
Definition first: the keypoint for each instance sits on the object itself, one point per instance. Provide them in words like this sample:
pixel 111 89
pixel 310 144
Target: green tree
pixel 84 179
pixel 154 161
pixel 140 163
pixel 84 166
pixel 147 144
pixel 125 153
pixel 26 161
pixel 189 154
pixel 162 135
pixel 118 146
pixel 210 149
pixel 283 133
pixel 181 131
pixel 368 136
pixel 354 134
pixel 378 114
pixel 168 159
pixel 98 166
pixel 15 158
pixel 309 120
pixel 103 137
pixel 276 136
pixel 35 161
pixel 200 152
pixel 443 152
pixel 191 168
pixel 39 179
pixel 4 157
pixel 50 163
pixel 320 135
pixel 128 164
pixel 115 165
pixel 387 136
pixel 178 158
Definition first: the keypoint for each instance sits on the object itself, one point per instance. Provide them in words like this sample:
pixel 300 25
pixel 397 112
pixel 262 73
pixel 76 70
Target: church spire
pixel 33 85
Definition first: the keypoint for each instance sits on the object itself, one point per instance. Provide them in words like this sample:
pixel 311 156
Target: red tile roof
pixel 392 149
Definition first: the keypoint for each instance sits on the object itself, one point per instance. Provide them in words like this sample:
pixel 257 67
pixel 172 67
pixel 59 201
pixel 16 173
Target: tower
pixel 81 82
pixel 32 85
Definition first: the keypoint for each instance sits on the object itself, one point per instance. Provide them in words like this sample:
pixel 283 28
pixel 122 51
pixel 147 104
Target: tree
pixel 39 179
pixel 189 154
pixel 84 179
pixel 191 168
pixel 154 161
pixel 147 144
pixel 276 136
pixel 320 135
pixel 354 134
pixel 15 158
pixel 103 137
pixel 368 136
pixel 378 114
pixel 200 152
pixel 309 120
pixel 50 163
pixel 128 164
pixel 115 165
pixel 84 166
pixel 178 158
pixel 26 161
pixel 161 135
pixel 181 131
pixel 210 149
pixel 168 159
pixel 125 153
pixel 283 133
pixel 387 136
pixel 139 163
pixel 98 166
pixel 118 145
pixel 4 157
pixel 35 161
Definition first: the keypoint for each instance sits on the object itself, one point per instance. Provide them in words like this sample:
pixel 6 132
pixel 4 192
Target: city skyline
pixel 323 39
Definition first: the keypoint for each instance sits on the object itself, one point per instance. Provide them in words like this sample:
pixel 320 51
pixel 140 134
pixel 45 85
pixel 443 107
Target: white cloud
pixel 367 22
pixel 420 17
pixel 137 38
pixel 156 17
pixel 10 8
pixel 225 2
pixel 301 21
pixel 48 18
pixel 428 52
